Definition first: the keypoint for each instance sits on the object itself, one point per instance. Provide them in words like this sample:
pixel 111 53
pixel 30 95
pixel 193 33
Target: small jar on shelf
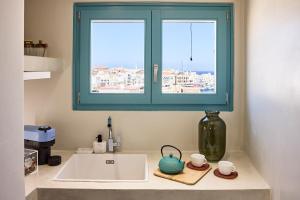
pixel 40 48
pixel 28 47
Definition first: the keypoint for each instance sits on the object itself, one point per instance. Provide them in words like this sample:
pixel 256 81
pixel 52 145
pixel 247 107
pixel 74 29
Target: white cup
pixel 198 159
pixel 226 167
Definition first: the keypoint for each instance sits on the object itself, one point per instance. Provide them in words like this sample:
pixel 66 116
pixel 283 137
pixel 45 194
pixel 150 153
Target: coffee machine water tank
pixel 40 138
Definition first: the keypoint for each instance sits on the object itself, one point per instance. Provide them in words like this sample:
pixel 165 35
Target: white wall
pixel 273 93
pixel 50 101
pixel 11 100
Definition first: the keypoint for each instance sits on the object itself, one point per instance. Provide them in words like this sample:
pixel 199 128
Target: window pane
pixel 189 56
pixel 117 56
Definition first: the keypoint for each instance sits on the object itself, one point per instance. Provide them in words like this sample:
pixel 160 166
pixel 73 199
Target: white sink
pixel 104 168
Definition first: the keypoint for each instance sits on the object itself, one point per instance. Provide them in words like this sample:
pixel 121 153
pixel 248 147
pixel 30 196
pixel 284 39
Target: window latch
pixel 227 16
pixel 78 97
pixel 155 71
pixel 78 16
pixel 227 98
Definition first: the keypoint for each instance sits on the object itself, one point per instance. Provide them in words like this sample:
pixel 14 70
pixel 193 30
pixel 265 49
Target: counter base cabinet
pixel 91 194
pixel 33 195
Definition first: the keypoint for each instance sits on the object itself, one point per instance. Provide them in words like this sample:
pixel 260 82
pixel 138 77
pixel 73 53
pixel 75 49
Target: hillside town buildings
pixel 125 80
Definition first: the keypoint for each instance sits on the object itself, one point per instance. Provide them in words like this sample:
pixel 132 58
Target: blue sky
pixel 122 44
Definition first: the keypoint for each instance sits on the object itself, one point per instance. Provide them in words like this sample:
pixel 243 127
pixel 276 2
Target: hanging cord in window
pixel 191 31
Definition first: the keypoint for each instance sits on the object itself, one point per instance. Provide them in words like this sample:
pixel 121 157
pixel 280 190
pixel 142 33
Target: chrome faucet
pixel 111 144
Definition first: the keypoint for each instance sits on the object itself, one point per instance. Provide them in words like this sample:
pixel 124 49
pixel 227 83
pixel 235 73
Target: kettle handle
pixel 167 145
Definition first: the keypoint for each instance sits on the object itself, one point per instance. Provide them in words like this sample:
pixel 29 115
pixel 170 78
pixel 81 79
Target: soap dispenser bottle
pixel 99 146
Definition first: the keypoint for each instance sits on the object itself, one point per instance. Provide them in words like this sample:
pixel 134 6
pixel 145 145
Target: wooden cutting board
pixel 188 176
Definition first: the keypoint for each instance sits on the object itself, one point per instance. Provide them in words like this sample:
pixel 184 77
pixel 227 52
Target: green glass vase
pixel 212 136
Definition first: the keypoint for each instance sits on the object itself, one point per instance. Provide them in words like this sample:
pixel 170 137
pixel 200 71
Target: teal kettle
pixel 170 164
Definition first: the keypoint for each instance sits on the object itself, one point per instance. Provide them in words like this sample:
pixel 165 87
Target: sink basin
pixel 104 168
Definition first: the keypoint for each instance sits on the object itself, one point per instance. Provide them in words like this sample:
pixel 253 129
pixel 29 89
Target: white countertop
pixel 248 179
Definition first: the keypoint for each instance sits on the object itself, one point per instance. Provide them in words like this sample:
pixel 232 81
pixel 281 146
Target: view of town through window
pixel 117 56
pixel 188 56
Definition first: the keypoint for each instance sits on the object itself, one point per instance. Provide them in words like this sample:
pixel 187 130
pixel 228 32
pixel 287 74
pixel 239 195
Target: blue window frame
pixel 154 86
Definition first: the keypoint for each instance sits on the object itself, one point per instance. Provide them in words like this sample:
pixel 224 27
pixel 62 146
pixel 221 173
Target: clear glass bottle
pixel 212 136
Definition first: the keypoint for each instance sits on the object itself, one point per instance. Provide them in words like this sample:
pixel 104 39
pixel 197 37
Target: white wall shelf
pixel 36 67
pixel 36 75
pixel 42 64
